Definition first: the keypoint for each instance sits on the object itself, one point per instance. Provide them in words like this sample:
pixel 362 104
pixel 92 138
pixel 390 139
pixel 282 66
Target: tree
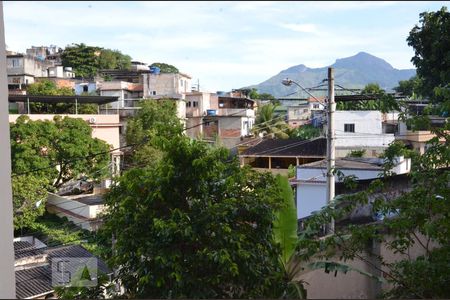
pixel 411 87
pixel 155 123
pixel 305 132
pixel 113 59
pixel 48 88
pixel 431 41
pixel 383 102
pixel 415 218
pixel 267 123
pixel 87 60
pixel 165 68
pixel 29 195
pixel 57 151
pixel 83 59
pixel 195 225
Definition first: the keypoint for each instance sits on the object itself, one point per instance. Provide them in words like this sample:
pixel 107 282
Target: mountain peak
pixel 362 60
pixel 296 69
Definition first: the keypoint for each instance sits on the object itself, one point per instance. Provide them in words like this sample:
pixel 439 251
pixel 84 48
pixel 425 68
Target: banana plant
pixel 285 235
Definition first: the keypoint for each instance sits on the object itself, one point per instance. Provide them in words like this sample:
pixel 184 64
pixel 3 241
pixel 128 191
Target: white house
pixel 83 210
pixel 360 130
pixel 311 179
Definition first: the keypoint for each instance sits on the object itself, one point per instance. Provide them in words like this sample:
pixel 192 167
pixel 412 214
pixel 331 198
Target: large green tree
pixel 431 41
pixel 195 225
pixel 87 60
pixel 57 151
pixel 156 122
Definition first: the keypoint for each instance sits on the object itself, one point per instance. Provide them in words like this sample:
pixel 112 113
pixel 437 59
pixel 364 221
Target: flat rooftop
pixel 63 99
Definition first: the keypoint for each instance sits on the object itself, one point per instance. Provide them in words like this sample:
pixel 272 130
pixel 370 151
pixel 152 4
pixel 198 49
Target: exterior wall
pixel 298 115
pixel 7 278
pixel 365 121
pixel 310 197
pixel 368 130
pixel 106 127
pixel 166 84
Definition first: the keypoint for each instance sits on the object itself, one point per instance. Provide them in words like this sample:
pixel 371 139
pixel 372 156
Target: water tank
pixel 211 112
pixel 68 69
pixel 155 70
pixel 221 93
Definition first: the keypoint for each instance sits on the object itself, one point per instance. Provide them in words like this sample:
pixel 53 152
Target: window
pixel 316 106
pixel 153 93
pixel 85 88
pixel 349 127
pixel 305 110
pixel 15 62
pixel 195 104
pixel 181 82
pixel 189 104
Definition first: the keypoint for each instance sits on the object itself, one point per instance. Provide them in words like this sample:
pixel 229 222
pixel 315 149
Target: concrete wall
pixel 166 84
pixel 106 127
pixel 71 204
pixel 7 277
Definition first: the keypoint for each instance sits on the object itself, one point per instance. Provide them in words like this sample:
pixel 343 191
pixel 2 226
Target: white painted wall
pixel 368 130
pixel 7 277
pixel 310 197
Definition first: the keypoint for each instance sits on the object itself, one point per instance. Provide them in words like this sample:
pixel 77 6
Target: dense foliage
pixel 431 41
pixel 165 68
pixel 194 225
pixel 155 123
pixel 305 132
pixel 56 151
pixel 87 60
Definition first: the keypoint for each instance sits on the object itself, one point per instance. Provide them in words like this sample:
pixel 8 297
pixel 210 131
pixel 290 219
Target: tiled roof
pixel 33 281
pixel 289 147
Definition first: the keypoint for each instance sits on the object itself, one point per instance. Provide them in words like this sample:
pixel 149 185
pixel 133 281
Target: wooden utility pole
pixel 331 154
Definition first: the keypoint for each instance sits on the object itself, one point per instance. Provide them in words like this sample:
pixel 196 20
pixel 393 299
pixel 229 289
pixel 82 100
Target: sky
pixel 223 45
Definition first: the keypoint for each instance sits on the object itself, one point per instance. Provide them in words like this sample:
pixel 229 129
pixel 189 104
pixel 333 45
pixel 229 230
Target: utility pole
pixel 331 155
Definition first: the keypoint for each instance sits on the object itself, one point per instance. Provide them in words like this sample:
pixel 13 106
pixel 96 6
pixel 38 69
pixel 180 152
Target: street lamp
pixel 289 82
pixel 331 154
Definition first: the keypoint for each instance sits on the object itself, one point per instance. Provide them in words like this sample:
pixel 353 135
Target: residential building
pixel 298 115
pixel 22 70
pixel 232 120
pixel 51 54
pixel 360 130
pixel 276 155
pixel 86 87
pixel 311 179
pixel 35 265
pixel 83 210
pixel 166 85
pixel 60 72
pixel 197 106
pixel 128 93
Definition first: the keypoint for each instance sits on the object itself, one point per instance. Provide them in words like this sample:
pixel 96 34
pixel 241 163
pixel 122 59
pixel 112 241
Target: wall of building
pixel 166 84
pixel 7 278
pixel 105 127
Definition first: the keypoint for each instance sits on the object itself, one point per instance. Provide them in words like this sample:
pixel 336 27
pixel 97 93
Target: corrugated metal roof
pixel 34 281
pixel 37 280
pixel 289 147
